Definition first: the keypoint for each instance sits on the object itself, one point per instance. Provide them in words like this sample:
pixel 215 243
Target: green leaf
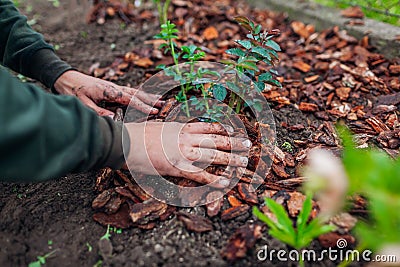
pixel 236 52
pixel 283 219
pixel 265 77
pixel 305 212
pixel 245 43
pixel 259 86
pixel 35 264
pixel 274 82
pixel 249 65
pixel 262 52
pixel 41 259
pixel 274 71
pixel 257 30
pixel 161 67
pixel 219 92
pixel 264 218
pixel 273 45
pixel 244 22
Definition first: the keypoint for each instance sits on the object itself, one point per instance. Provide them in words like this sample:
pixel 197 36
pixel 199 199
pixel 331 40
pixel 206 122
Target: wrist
pixel 66 84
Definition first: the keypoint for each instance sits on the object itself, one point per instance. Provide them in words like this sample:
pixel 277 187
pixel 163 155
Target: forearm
pixel 45 136
pixel 24 50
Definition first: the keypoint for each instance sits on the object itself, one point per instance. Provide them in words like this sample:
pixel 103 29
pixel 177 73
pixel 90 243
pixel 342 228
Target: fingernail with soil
pixel 244 160
pixel 247 143
pixel 224 181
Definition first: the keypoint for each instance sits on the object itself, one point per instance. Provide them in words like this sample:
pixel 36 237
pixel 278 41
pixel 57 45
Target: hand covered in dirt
pixel 91 91
pixel 171 148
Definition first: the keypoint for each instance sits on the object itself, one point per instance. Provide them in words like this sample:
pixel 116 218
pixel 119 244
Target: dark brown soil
pixel 59 212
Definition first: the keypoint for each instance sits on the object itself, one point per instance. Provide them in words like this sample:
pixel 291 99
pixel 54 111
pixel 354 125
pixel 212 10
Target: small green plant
pixel 162 8
pixel 287 146
pixel 191 54
pixel 116 230
pixel 49 242
pixel 107 235
pixel 41 260
pixel 255 50
pixel 297 237
pixel 89 247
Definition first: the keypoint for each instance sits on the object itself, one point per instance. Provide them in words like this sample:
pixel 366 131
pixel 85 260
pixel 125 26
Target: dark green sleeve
pixel 24 50
pixel 45 136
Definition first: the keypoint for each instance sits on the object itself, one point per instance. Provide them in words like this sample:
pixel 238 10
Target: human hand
pixel 171 148
pixel 91 91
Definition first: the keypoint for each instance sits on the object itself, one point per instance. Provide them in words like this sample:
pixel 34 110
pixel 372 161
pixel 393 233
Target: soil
pixel 57 215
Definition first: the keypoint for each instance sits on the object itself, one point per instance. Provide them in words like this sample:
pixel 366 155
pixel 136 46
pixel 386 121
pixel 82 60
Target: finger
pixel 153 100
pixel 150 99
pixel 101 111
pixel 220 142
pixel 141 106
pixel 208 128
pixel 212 156
pixel 133 101
pixel 201 176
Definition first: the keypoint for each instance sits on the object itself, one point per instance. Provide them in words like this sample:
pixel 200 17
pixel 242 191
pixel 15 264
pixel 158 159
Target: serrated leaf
pixel 261 51
pixel 219 92
pixel 243 21
pixel 245 43
pixel 259 86
pixel 274 54
pixel 251 23
pixel 273 45
pixel 274 71
pixel 249 65
pixel 236 52
pixel 161 67
pixel 274 82
pixel 265 77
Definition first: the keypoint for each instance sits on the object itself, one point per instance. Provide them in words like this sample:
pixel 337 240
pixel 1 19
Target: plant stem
pixel 231 103
pixel 301 262
pixel 348 261
pixel 165 10
pixel 238 105
pixel 160 10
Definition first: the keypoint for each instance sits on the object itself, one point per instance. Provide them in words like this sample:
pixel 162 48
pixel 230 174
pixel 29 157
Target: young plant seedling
pixel 191 54
pixel 41 260
pixel 107 235
pixel 287 146
pixel 255 50
pixel 283 229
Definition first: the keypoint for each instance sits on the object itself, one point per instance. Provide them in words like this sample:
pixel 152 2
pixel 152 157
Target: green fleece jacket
pixel 44 136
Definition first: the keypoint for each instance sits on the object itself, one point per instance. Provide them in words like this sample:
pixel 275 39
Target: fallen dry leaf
pixel 143 62
pixel 210 33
